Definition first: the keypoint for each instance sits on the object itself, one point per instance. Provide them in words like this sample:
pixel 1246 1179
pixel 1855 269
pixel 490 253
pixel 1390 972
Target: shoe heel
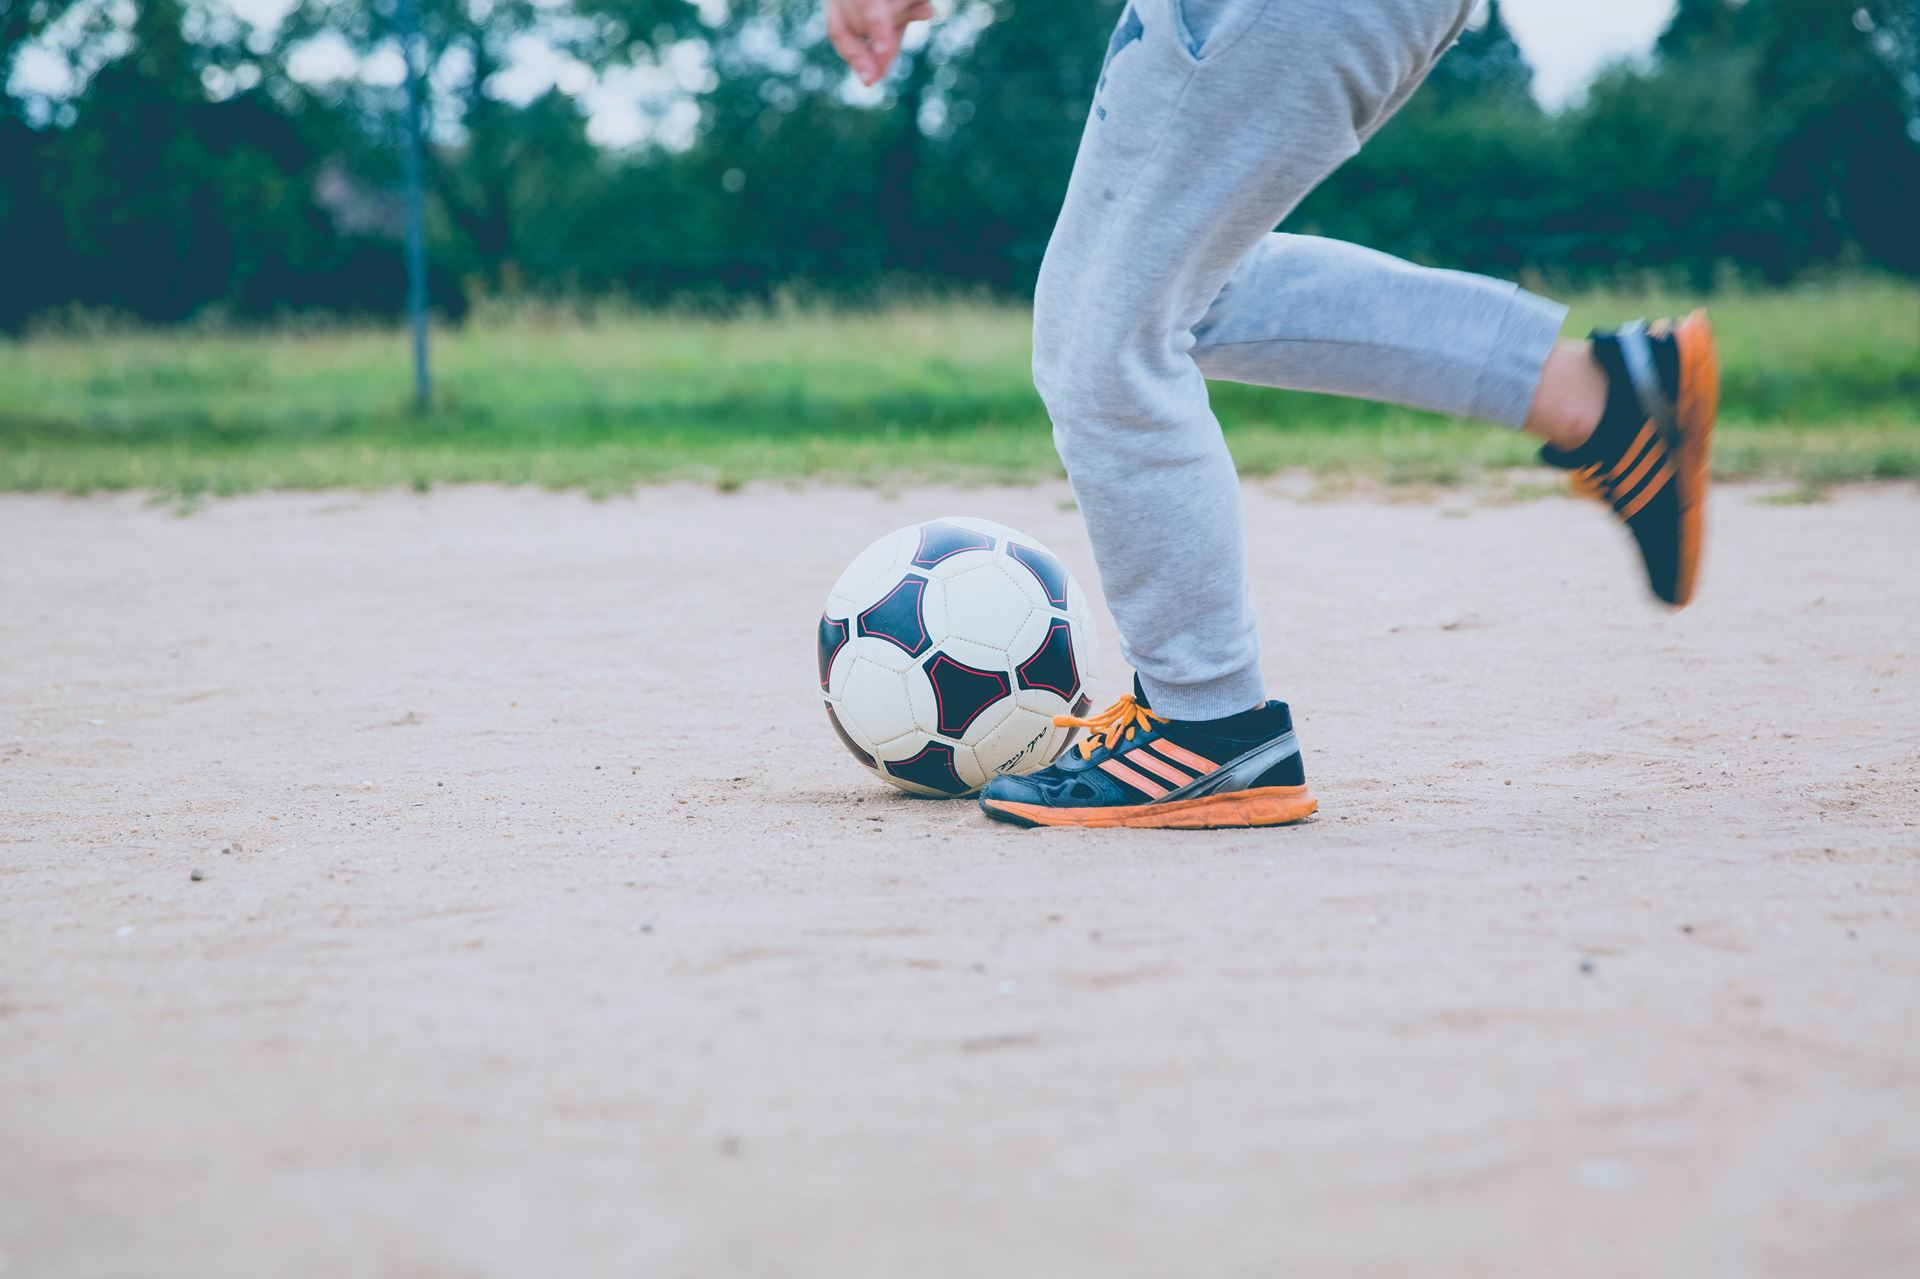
pixel 1697 409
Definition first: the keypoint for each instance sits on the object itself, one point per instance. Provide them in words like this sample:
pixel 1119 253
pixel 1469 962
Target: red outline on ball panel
pixel 846 738
pixel 939 702
pixel 919 586
pixel 893 766
pixel 1066 694
pixel 920 550
pixel 828 654
pixel 1013 553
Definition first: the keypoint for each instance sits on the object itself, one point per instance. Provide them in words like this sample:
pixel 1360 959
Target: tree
pixel 1844 165
pixel 183 184
pixel 1485 68
pixel 21 22
pixel 1010 106
pixel 1697 26
pixel 467 43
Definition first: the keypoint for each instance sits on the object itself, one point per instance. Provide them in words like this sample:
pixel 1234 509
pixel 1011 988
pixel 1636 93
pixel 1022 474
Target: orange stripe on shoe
pixel 1654 485
pixel 1633 450
pixel 1654 456
pixel 1154 764
pixel 1151 789
pixel 1181 755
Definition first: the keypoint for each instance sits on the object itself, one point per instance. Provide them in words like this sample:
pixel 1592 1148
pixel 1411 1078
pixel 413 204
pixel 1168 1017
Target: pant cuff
pixel 1505 389
pixel 1210 699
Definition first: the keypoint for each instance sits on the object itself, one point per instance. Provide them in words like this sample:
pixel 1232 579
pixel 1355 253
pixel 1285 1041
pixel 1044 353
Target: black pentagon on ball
pixel 897 617
pixel 1050 572
pixel 1052 666
pixel 961 694
pixel 833 638
pixel 846 738
pixel 940 540
pixel 932 768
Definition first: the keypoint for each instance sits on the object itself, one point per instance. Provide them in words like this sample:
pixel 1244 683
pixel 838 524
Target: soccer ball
pixel 947 648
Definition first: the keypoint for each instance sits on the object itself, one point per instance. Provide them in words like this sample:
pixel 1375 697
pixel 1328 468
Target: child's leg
pixel 1187 163
pixel 1311 314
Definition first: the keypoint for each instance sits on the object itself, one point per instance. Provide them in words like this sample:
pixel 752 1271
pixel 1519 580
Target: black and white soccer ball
pixel 947 648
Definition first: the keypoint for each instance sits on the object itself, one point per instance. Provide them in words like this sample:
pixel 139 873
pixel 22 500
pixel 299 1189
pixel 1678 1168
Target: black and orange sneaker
pixel 1648 457
pixel 1135 768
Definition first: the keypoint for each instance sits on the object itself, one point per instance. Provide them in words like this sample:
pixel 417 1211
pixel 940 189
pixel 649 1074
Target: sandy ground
pixel 545 930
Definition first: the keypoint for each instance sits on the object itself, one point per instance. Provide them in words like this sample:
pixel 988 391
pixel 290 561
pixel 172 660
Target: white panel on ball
pixel 873 702
pixel 986 605
pixel 1022 736
pixel 862 579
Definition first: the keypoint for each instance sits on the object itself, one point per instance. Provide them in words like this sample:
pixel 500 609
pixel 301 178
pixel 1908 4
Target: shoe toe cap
pixel 1008 789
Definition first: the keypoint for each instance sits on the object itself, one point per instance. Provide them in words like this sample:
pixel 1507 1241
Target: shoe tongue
pixel 1139 693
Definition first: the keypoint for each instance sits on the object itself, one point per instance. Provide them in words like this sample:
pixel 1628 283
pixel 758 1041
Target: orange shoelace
pixel 1585 482
pixel 1112 725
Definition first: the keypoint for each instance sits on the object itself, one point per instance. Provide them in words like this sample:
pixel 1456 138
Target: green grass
pixel 1822 384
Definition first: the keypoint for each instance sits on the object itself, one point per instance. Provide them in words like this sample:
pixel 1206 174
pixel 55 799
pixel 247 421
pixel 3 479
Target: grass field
pixel 1822 384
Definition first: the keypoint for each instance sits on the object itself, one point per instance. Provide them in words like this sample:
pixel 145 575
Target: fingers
pixel 886 20
pixel 866 33
pixel 883 36
pixel 848 42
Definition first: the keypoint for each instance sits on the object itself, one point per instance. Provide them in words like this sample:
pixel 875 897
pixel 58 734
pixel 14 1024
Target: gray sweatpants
pixel 1212 120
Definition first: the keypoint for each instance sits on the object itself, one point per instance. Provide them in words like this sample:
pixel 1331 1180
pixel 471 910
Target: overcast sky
pixel 1568 40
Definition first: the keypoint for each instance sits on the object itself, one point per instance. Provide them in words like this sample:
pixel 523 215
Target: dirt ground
pixel 468 884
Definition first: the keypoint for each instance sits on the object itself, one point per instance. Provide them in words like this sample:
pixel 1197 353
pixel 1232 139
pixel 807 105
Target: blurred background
pixel 669 238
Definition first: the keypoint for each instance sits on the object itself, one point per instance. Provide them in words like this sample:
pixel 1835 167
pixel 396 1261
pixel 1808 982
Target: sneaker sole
pixel 1697 410
pixel 1264 806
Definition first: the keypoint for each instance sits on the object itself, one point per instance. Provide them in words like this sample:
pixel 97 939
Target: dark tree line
pixel 193 173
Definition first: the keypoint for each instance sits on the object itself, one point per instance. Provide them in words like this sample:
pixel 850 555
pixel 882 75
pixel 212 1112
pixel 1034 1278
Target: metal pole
pixel 416 207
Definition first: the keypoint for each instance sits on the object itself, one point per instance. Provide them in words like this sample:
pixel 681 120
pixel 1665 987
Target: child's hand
pixel 867 32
